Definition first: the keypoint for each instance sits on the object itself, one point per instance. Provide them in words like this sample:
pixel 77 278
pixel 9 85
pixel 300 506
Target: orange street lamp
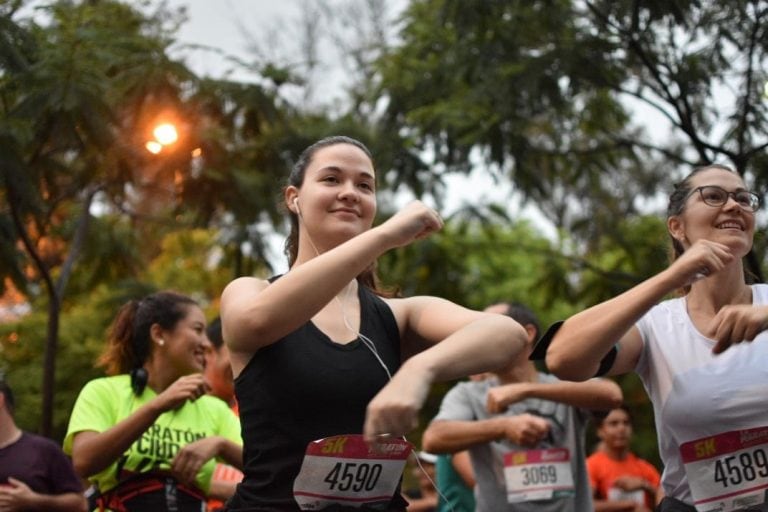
pixel 165 134
pixel 153 146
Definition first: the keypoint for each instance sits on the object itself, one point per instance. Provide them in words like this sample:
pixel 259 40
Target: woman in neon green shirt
pixel 148 436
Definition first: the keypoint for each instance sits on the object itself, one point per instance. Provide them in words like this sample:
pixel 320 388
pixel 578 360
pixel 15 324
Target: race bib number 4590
pixel 345 469
pixel 729 471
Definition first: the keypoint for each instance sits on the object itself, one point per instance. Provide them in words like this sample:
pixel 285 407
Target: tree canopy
pixel 590 109
pixel 83 85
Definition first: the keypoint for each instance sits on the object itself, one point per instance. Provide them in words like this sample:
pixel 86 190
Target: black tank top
pixel 302 388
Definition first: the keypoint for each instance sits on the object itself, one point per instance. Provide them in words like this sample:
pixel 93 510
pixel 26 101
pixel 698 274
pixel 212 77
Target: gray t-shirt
pixel 467 402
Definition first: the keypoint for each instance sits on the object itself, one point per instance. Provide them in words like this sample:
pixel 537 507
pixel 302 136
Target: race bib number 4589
pixel 345 469
pixel 729 471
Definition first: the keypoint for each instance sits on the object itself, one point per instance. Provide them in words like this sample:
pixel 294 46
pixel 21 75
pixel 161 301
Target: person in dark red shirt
pixel 35 474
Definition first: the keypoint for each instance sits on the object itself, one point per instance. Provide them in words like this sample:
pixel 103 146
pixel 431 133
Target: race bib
pixel 346 470
pixel 538 475
pixel 729 471
pixel 616 494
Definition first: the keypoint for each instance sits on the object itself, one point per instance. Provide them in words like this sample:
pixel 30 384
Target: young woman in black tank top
pixel 321 351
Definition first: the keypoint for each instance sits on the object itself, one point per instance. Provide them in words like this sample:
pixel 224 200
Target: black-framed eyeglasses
pixel 713 195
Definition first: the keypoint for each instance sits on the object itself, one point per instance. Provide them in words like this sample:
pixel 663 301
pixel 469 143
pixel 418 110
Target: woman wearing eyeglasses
pixel 703 357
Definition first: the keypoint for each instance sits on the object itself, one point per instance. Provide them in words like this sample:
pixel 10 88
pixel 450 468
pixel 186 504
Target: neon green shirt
pixel 104 402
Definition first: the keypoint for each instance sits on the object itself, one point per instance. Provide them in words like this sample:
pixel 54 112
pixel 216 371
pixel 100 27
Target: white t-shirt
pixel 695 393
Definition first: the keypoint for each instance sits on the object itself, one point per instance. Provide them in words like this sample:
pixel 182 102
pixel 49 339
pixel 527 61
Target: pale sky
pixel 275 25
pixel 217 23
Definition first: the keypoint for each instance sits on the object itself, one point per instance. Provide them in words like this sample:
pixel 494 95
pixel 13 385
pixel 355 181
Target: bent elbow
pixel 520 336
pixel 82 467
pixel 614 397
pixel 431 442
pixel 428 444
pixel 85 462
pixel 516 341
pixel 567 368
pixel 82 505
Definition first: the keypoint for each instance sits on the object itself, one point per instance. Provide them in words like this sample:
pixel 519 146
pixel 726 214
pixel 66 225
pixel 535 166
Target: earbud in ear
pixel 161 342
pixel 296 205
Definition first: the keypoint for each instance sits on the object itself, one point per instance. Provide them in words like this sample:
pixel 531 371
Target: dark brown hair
pixel 213 331
pixel 599 416
pixel 129 343
pixel 368 277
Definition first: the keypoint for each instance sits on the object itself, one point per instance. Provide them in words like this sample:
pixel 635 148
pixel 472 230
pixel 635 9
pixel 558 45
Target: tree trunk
pixel 49 364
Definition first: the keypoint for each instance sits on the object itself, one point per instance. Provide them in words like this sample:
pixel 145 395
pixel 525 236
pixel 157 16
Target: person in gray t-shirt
pixel 530 419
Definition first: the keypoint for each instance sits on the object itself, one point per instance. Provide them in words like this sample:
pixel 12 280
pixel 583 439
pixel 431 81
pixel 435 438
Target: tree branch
pixel 77 242
pixel 13 202
pixel 746 106
pixel 685 122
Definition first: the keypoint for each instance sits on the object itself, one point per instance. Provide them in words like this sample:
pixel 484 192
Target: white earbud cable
pixel 372 348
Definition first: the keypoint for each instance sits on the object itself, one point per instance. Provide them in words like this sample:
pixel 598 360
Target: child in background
pixel 621 481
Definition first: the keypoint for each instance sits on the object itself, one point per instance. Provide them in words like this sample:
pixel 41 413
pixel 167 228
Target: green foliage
pixel 184 265
pixel 476 263
pixel 638 249
pixel 21 346
pixel 81 334
pixel 547 94
pixel 62 89
pixel 110 253
pixel 512 80
pixel 188 262
pixel 81 91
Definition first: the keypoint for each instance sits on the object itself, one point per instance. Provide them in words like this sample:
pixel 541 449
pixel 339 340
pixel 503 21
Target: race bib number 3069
pixel 538 474
pixel 346 470
pixel 729 471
